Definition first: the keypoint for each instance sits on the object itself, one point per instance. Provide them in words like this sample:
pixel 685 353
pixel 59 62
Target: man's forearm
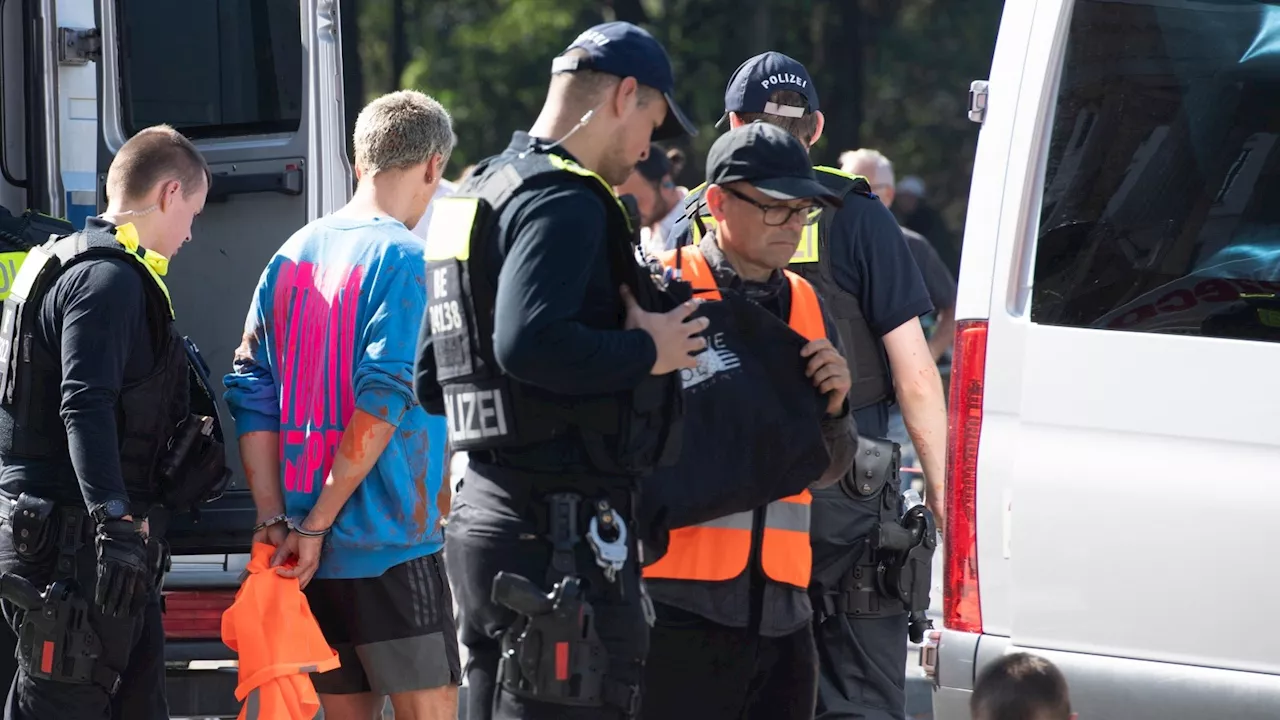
pixel 918 387
pixel 260 455
pixel 362 443
pixel 925 415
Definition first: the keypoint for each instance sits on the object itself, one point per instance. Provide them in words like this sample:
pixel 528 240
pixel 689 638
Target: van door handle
pixel 285 182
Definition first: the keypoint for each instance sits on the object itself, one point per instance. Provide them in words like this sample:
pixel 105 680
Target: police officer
pixel 553 353
pixel 93 387
pixel 862 268
pixel 20 233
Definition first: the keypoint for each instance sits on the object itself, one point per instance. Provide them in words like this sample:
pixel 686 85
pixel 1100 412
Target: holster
pixel 56 641
pixel 553 653
pixel 194 468
pixel 908 562
pixel 891 572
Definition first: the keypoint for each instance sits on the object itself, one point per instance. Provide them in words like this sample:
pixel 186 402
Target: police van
pixel 1113 465
pixel 258 85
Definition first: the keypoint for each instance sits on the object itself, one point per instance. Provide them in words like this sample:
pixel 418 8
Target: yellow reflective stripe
pixel 573 167
pixel 449 233
pixel 9 264
pixel 695 233
pixel 836 171
pixel 807 250
pixel 154 262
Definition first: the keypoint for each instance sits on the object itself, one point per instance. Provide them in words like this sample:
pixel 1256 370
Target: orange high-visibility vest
pixel 720 549
pixel 278 643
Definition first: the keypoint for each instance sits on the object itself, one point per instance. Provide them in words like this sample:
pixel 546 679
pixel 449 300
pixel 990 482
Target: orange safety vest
pixel 278 643
pixel 720 549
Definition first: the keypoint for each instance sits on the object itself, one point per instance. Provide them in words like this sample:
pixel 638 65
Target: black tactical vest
pixel 148 410
pixel 872 382
pixel 625 434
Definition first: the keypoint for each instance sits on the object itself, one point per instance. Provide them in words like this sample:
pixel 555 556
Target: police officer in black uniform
pixel 554 354
pixel 18 234
pixel 94 433
pixel 871 561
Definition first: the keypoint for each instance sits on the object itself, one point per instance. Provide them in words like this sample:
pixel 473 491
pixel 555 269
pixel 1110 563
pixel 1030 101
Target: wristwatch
pixel 109 510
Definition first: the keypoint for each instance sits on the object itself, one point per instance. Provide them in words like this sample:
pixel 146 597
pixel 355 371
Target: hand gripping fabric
pixel 271 628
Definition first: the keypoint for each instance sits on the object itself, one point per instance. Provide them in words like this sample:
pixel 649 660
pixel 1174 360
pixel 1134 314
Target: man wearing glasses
pixel 864 272
pixel 732 635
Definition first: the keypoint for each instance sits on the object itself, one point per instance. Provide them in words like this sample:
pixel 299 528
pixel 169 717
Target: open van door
pixel 257 86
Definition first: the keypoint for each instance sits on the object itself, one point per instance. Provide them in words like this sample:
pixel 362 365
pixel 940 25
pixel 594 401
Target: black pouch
pixel 33 528
pixel 877 464
pixel 201 477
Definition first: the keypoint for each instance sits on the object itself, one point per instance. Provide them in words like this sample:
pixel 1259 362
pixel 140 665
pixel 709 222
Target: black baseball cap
pixel 625 50
pixel 756 79
pixel 771 160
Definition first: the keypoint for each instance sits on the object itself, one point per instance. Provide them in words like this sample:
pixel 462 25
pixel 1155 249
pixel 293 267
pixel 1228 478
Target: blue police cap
pixel 759 77
pixel 625 50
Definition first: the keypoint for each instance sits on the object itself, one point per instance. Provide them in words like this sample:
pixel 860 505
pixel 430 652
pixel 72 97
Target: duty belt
pixel 7 505
pixel 857 596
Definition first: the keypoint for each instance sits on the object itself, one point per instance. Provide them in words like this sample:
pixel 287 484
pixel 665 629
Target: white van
pixel 258 86
pixel 1114 451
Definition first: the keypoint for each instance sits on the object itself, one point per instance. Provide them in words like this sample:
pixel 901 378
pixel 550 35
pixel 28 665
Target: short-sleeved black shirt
pixel 871 261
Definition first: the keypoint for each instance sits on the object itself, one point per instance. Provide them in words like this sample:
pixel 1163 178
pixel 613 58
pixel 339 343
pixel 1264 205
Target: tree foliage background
pixel 891 74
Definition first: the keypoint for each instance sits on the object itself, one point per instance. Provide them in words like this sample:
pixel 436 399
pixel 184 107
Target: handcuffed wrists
pixel 269 522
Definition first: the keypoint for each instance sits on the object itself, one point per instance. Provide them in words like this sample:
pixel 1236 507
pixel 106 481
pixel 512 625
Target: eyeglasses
pixel 775 215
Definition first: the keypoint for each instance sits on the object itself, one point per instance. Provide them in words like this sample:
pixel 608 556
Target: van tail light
pixel 196 615
pixel 961 608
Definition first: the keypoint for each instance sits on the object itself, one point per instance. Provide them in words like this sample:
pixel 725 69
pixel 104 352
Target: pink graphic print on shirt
pixel 315 311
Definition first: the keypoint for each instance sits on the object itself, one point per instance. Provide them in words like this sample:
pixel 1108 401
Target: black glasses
pixel 776 215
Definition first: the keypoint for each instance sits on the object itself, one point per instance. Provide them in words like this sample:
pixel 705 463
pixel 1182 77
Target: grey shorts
pixel 394 633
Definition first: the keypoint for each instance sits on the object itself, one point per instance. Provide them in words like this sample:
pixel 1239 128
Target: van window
pixel 1161 205
pixel 219 68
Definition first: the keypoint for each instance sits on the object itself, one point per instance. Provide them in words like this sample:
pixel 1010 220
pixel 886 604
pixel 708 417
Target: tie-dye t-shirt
pixel 332 328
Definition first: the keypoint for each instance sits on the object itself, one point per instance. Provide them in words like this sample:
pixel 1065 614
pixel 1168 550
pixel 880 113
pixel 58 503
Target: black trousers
pixel 700 669
pixel 490 531
pixel 863 668
pixel 133 647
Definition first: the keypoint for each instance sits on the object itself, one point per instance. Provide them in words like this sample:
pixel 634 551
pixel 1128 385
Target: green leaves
pixel 891 74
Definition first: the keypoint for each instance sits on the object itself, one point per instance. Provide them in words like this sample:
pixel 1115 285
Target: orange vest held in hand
pixel 277 639
pixel 720 549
